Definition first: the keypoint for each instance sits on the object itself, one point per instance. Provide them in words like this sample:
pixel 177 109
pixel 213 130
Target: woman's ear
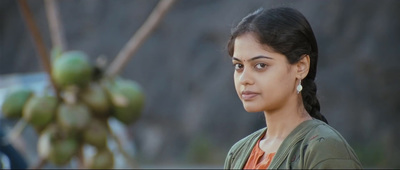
pixel 303 66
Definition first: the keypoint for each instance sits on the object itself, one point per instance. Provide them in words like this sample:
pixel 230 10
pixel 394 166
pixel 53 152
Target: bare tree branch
pixel 17 130
pixel 134 43
pixel 37 39
pixel 55 24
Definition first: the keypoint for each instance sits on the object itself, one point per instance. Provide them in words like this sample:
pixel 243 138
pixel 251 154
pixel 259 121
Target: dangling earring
pixel 299 87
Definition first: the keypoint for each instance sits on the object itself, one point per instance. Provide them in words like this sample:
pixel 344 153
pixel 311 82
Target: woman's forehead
pixel 247 46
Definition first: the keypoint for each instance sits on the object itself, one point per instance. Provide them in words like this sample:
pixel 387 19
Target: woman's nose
pixel 246 77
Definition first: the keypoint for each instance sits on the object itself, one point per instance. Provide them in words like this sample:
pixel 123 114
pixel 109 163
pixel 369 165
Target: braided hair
pixel 288 32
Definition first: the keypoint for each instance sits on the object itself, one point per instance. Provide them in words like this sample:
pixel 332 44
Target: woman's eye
pixel 261 65
pixel 238 66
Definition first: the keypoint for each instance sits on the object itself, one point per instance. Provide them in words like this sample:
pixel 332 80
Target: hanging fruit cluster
pixel 79 116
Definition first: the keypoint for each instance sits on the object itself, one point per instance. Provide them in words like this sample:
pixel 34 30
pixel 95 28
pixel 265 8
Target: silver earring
pixel 299 87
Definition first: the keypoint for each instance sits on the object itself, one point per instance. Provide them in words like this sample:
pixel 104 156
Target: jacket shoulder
pixel 323 146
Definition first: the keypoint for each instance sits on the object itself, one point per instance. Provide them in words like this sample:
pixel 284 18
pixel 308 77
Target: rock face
pixel 186 73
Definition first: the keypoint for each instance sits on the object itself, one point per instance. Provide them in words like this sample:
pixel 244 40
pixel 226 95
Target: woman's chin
pixel 252 108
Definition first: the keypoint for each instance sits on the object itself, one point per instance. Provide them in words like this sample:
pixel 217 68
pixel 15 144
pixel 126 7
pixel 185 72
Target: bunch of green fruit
pixel 79 116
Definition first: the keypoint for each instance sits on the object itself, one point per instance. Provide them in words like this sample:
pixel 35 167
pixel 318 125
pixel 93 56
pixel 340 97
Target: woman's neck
pixel 282 121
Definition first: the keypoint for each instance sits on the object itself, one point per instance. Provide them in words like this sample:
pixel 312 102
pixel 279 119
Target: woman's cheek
pixel 237 86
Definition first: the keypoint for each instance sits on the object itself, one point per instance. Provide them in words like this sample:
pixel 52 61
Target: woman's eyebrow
pixel 234 58
pixel 260 56
pixel 254 58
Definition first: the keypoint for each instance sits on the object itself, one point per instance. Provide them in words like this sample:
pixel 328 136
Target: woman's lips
pixel 248 95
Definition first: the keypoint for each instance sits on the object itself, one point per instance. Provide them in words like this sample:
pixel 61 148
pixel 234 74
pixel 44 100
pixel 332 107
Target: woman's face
pixel 264 80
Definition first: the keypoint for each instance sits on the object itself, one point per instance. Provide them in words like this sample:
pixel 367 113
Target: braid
pixel 311 103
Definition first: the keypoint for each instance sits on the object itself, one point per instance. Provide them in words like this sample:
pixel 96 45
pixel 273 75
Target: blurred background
pixel 192 114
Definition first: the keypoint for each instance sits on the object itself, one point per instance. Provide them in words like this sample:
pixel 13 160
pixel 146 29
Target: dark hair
pixel 286 31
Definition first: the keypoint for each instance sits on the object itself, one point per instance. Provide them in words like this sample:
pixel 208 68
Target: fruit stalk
pixel 17 130
pixel 81 158
pixel 55 25
pixel 129 160
pixel 134 43
pixel 38 41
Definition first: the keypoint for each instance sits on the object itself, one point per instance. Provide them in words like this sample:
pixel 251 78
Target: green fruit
pixel 127 99
pixel 62 151
pixel 96 98
pixel 14 102
pixel 96 134
pixel 40 110
pixel 72 68
pixel 73 117
pixel 56 148
pixel 103 159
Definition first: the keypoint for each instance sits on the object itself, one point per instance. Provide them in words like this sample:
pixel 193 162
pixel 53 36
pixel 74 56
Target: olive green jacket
pixel 311 145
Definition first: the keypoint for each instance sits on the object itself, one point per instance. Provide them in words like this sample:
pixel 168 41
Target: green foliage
pixel 201 150
pixel 371 154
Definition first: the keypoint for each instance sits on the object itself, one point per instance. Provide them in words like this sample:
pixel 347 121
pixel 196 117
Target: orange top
pixel 254 161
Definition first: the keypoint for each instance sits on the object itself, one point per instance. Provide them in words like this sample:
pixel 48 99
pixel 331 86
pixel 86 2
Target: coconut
pixel 96 98
pixel 127 99
pixel 14 102
pixel 103 159
pixel 73 117
pixel 72 68
pixel 55 147
pixel 62 151
pixel 96 134
pixel 40 110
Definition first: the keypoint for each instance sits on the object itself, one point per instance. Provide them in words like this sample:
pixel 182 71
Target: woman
pixel 274 53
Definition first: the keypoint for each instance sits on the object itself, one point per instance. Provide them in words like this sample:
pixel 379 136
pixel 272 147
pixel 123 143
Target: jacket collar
pixel 294 137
